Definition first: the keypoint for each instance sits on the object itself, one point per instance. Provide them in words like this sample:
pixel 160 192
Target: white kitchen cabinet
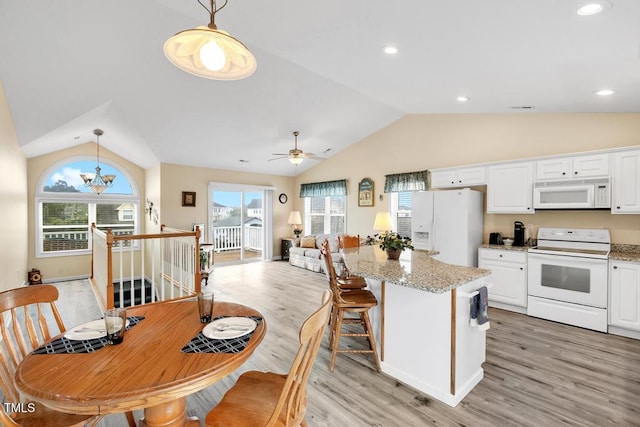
pixel 459 177
pixel 510 188
pixel 626 183
pixel 508 279
pixel 573 167
pixel 624 297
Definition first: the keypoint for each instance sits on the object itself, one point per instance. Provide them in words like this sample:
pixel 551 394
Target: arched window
pixel 65 208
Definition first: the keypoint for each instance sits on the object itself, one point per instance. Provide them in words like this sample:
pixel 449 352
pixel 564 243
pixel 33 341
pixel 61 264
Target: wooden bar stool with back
pixel 346 280
pixel 358 301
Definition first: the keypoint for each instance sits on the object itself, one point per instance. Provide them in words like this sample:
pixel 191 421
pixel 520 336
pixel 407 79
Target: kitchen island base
pixel 426 341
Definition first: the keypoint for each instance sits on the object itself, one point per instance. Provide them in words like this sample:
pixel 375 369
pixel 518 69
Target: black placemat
pixel 202 344
pixel 64 345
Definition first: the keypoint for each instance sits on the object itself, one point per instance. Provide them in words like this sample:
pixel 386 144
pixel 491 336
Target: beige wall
pixel 415 142
pixel 13 195
pixel 418 142
pixel 153 193
pixel 175 179
pixel 70 266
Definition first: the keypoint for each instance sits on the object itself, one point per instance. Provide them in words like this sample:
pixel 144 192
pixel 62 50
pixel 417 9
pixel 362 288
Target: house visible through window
pixel 65 209
pixel 325 214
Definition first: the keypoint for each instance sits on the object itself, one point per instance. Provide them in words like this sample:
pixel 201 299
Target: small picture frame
pixel 189 198
pixel 365 192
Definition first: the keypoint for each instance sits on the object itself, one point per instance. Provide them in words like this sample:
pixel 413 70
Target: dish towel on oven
pixel 480 309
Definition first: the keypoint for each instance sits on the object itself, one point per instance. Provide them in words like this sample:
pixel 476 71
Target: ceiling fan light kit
pixel 209 52
pixel 295 160
pixel 296 156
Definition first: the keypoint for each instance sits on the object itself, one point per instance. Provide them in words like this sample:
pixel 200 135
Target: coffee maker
pixel 518 233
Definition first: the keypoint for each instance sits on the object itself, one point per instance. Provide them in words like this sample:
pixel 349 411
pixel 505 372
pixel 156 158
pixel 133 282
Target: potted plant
pixel 204 259
pixel 391 242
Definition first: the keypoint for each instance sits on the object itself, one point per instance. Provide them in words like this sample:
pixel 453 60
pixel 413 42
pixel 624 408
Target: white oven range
pixel 568 276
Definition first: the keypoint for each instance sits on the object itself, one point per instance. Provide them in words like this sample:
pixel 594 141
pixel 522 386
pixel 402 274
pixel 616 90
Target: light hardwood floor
pixel 537 373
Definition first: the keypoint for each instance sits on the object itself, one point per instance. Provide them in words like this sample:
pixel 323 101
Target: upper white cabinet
pixel 510 188
pixel 626 182
pixel 624 295
pixel 573 167
pixel 462 177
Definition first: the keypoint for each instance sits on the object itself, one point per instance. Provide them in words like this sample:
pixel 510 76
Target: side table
pixel 286 245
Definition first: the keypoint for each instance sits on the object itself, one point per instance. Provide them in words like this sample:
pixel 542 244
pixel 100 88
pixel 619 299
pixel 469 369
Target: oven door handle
pixel 534 256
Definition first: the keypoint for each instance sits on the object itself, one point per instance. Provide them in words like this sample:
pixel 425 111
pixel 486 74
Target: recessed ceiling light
pixel 604 92
pixel 593 7
pixel 390 50
pixel 463 98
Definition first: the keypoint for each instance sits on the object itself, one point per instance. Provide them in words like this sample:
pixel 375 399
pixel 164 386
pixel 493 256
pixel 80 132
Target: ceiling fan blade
pixel 279 154
pixel 312 156
pixel 278 158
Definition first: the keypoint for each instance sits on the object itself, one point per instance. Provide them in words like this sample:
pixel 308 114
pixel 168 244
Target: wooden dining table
pixel 148 370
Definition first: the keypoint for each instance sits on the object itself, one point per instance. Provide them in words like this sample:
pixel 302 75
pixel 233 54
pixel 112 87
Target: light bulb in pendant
pixel 212 56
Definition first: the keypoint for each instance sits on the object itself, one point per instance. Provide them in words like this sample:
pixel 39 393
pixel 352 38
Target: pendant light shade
pixel 209 52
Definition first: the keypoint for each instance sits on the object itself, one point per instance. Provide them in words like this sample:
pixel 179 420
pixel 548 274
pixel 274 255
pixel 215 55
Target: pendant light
pixel 209 52
pixel 98 183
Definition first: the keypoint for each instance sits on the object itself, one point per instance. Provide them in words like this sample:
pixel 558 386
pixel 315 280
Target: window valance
pixel 410 181
pixel 323 189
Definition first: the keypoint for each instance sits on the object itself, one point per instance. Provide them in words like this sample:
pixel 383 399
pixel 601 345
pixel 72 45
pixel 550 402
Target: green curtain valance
pixel 410 181
pixel 324 189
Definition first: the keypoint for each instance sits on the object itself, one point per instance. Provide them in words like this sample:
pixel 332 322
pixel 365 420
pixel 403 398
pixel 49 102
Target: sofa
pixel 305 252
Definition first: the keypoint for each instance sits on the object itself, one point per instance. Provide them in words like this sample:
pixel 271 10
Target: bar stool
pixel 348 281
pixel 358 301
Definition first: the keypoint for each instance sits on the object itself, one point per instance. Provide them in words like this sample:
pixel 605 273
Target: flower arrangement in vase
pixel 391 242
pixel 297 232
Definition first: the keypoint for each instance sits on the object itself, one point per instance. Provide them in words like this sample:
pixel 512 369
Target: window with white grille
pixel 401 204
pixel 325 215
pixel 65 208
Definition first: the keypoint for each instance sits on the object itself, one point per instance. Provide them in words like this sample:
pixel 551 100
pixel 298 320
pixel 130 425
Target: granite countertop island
pixel 422 324
pixel 416 269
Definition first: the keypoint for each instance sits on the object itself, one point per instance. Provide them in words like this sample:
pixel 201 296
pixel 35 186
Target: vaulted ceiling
pixel 71 66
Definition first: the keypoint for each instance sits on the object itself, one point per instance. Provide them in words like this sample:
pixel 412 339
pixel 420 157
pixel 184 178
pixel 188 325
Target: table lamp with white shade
pixel 383 222
pixel 295 219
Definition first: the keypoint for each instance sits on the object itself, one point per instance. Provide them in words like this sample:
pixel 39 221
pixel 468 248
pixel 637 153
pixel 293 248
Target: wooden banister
pixel 172 254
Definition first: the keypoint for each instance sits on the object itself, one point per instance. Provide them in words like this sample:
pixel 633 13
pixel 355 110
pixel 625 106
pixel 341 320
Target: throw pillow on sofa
pixel 308 242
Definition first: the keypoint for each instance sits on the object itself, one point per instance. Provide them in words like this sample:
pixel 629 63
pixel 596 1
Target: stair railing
pixel 130 270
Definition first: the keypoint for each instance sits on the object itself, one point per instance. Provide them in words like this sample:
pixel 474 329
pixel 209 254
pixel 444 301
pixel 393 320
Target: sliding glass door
pixel 239 223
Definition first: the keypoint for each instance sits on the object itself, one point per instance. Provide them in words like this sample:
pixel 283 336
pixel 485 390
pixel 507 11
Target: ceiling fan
pixel 296 156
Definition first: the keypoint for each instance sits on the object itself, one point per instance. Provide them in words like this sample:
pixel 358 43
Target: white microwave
pixel 572 194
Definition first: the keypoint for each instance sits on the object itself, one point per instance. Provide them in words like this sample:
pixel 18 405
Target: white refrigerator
pixel 450 222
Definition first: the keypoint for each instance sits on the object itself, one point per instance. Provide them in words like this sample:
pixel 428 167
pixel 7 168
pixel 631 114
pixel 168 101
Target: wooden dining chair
pixel 269 399
pixel 24 327
pixel 358 301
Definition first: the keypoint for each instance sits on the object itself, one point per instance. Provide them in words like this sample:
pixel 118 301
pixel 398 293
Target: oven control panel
pixel 595 235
